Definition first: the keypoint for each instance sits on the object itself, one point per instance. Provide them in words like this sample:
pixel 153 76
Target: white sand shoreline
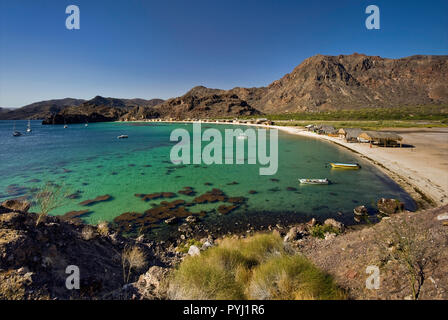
pixel 424 175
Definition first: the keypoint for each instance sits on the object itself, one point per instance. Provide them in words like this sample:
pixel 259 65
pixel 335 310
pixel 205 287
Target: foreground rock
pixel 34 257
pixel 336 225
pixel 295 233
pixel 390 206
pixel 14 206
pixel 347 256
pixel 149 286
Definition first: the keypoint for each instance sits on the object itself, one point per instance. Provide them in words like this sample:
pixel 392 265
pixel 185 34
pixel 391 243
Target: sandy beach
pixel 423 166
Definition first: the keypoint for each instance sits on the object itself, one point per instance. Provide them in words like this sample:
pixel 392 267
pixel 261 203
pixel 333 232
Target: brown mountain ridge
pixel 319 83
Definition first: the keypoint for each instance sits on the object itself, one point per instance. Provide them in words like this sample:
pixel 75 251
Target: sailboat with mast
pixel 15 133
pixel 28 128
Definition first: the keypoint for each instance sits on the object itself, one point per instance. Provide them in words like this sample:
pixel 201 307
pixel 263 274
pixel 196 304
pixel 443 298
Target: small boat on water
pixel 16 133
pixel 28 128
pixel 352 166
pixel 123 136
pixel 314 181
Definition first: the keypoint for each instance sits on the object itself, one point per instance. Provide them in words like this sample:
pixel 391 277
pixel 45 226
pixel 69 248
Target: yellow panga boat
pixel 352 166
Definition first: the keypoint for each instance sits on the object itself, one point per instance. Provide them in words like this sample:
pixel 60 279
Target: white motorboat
pixel 314 181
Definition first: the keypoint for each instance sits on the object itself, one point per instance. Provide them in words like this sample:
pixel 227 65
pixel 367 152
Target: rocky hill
pixel 99 109
pixel 319 83
pixel 49 108
pixel 39 110
pixel 197 104
pixel 356 81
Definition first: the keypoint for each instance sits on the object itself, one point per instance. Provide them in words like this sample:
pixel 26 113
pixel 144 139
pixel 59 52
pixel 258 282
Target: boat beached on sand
pixel 352 166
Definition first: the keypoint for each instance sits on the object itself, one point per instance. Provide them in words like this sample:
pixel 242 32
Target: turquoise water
pixel 94 162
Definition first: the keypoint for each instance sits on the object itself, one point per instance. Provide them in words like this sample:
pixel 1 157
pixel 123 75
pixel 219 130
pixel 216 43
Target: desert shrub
pixel 410 247
pixel 243 268
pixel 212 275
pixel 132 258
pixel 88 233
pixel 291 277
pixel 319 231
pixel 49 198
pixel 184 247
pixel 103 228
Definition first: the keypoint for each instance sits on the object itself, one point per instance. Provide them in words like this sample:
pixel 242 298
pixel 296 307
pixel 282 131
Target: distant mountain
pixel 199 102
pixel 48 108
pixel 98 109
pixel 322 83
pixel 355 81
pixel 39 110
pixel 319 83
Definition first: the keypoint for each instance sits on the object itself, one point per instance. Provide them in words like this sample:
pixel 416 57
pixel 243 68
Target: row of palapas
pixel 358 135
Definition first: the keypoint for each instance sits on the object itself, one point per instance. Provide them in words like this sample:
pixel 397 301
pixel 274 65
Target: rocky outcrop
pixel 34 256
pixel 205 104
pixel 355 81
pixel 296 233
pixel 390 206
pixel 336 225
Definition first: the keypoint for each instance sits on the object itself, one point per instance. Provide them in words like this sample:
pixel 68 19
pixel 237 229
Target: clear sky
pixel 160 49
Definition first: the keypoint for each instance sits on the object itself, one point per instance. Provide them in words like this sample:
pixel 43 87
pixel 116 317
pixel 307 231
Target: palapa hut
pixel 328 130
pixel 381 138
pixel 310 127
pixel 349 134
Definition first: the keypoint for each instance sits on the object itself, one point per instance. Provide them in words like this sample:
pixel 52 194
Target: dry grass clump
pixel 258 267
pixel 132 258
pixel 88 233
pixel 103 228
pixel 410 247
pixel 291 277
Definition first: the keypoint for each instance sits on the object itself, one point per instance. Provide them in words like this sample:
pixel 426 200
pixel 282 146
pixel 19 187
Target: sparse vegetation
pixel 103 228
pixel 259 267
pixel 413 113
pixel 291 277
pixel 369 118
pixel 319 231
pixel 184 247
pixel 88 233
pixel 132 258
pixel 410 248
pixel 49 198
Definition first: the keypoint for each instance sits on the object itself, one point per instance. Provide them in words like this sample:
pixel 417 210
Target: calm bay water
pixel 94 162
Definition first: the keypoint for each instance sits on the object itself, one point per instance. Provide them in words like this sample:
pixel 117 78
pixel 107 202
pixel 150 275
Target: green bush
pixel 319 231
pixel 258 267
pixel 184 247
pixel 291 277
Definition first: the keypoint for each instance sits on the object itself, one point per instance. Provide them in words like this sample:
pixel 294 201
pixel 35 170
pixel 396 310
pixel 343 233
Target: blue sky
pixel 151 49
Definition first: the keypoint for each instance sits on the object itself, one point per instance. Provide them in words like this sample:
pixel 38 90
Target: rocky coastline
pixel 35 252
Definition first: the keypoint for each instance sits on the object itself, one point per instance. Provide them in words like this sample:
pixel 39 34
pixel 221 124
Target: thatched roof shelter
pixel 325 129
pixel 350 133
pixel 381 137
